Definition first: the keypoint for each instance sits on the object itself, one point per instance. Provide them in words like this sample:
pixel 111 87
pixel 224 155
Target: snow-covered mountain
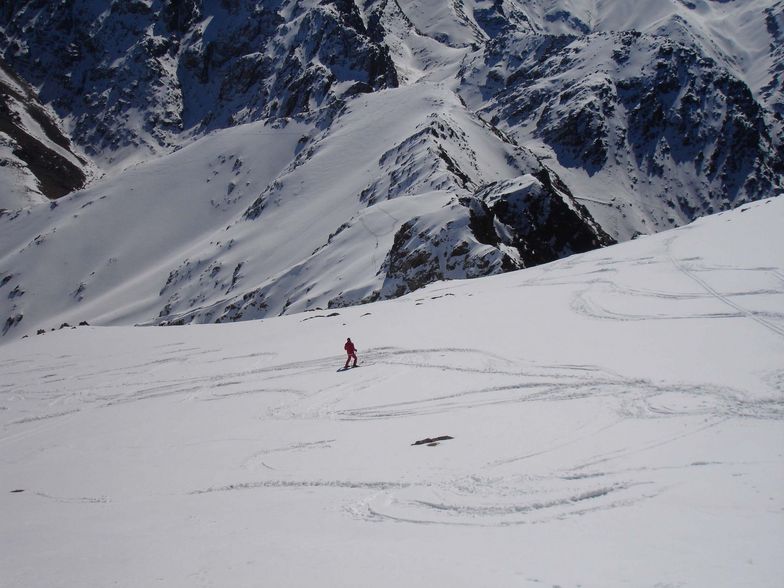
pixel 637 120
pixel 271 157
pixel 37 161
pixel 615 420
pixel 138 77
pixel 267 218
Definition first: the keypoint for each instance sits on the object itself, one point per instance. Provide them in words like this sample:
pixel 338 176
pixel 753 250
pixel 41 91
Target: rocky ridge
pixel 37 159
pixel 449 140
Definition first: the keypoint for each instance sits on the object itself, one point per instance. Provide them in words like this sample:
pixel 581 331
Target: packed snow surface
pixel 616 420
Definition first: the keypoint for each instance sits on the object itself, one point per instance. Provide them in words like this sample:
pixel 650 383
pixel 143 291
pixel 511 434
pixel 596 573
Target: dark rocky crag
pixel 56 174
pixel 187 65
pixel 681 121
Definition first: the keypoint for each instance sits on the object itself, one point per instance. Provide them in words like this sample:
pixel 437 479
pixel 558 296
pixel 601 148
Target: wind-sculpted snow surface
pixel 612 419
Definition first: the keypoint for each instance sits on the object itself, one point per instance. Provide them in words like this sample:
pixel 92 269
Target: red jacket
pixel 349 347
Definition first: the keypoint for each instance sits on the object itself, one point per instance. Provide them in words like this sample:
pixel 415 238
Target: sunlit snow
pixel 616 420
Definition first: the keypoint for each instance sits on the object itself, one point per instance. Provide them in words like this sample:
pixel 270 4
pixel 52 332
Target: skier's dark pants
pixel 351 355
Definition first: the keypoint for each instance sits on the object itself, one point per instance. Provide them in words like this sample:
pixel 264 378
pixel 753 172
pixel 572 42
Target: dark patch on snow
pixel 11 322
pixel 330 315
pixel 432 440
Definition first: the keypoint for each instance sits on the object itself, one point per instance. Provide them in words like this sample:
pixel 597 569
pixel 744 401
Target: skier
pixel 352 353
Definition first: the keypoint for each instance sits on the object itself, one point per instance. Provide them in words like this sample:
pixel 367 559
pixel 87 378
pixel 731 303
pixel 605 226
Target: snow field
pixel 617 421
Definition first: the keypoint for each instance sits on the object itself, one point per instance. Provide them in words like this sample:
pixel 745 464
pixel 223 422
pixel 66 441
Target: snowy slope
pixel 647 131
pixel 267 218
pixel 270 157
pixel 139 78
pixel 616 420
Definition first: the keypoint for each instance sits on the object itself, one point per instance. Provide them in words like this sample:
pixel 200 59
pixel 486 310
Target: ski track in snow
pixel 637 398
pixel 592 300
pixel 495 493
pixel 484 500
pixel 533 383
pixel 493 502
pixel 760 317
pixel 503 500
pixel 74 500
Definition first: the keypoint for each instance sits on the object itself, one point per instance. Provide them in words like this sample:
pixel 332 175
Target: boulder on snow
pixel 431 441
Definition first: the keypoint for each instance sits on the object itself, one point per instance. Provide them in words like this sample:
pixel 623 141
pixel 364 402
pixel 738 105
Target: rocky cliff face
pixel 510 225
pixel 514 214
pixel 37 161
pixel 666 123
pixel 136 75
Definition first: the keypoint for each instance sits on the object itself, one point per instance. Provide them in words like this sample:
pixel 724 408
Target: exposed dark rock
pixel 538 217
pixel 235 62
pixel 679 113
pixel 432 441
pixel 178 14
pixel 56 174
pixel 11 322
